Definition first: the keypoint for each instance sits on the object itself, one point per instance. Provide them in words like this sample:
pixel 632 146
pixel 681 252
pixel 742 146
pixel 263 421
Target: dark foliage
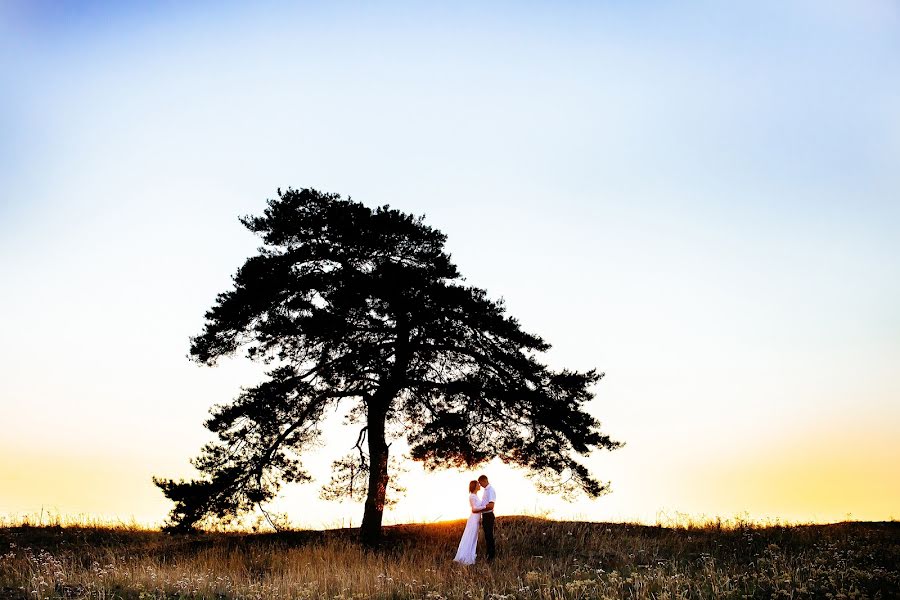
pixel 351 304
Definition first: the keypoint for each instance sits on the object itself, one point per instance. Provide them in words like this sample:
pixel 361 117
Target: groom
pixel 487 515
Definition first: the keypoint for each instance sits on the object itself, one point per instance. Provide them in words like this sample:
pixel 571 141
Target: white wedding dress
pixel 466 552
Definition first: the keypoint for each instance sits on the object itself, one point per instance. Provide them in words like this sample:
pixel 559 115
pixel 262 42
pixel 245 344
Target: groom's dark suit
pixel 487 522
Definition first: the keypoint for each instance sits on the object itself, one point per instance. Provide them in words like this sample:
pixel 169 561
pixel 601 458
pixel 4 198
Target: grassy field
pixel 537 559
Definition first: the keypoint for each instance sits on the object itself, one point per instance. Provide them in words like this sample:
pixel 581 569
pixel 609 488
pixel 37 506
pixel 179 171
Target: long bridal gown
pixel 466 552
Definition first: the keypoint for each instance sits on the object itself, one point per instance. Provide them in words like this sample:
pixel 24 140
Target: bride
pixel 466 552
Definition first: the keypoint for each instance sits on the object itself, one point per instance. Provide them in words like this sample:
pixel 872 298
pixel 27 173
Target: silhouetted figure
pixel 362 308
pixel 468 543
pixel 487 515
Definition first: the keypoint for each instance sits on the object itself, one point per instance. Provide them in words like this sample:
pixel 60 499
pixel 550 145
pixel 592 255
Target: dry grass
pixel 537 559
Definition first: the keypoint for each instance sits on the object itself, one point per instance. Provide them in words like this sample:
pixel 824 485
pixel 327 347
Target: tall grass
pixel 537 558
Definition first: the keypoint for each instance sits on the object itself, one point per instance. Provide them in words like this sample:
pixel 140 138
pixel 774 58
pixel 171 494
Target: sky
pixel 699 200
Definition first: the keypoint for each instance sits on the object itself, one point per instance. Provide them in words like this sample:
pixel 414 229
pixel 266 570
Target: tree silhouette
pixel 364 307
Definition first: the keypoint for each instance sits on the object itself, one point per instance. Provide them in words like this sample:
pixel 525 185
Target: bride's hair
pixel 473 486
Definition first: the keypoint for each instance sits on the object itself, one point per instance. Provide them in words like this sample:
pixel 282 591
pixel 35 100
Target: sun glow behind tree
pixel 348 304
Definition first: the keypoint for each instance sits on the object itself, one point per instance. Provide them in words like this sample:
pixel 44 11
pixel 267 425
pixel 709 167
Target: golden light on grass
pixel 538 559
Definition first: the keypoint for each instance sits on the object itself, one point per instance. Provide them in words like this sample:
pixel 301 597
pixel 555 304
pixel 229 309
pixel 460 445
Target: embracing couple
pixel 482 512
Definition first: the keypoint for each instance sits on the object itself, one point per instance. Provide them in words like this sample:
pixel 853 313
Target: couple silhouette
pixel 482 513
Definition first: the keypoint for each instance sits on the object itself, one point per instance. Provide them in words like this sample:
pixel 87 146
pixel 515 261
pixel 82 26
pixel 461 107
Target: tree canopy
pixel 363 307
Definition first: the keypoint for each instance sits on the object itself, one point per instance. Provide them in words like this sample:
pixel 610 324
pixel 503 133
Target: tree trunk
pixel 377 410
pixel 370 530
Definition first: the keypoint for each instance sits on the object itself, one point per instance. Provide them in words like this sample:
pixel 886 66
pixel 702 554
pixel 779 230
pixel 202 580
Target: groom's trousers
pixel 487 523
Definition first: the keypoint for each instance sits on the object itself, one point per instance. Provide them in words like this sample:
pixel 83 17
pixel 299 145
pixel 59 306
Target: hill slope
pixel 537 559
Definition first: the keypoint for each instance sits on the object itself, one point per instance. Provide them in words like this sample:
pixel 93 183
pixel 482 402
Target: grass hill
pixel 537 558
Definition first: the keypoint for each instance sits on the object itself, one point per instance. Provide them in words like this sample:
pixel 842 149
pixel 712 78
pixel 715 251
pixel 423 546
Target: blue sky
pixel 699 200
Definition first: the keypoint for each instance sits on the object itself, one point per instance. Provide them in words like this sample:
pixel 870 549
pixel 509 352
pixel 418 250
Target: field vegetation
pixel 538 558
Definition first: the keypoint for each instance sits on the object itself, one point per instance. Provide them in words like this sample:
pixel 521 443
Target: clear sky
pixel 700 199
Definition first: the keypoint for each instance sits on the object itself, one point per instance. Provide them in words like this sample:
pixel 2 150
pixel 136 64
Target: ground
pixel 537 558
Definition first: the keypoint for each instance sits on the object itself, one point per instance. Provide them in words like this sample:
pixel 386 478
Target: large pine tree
pixel 347 304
